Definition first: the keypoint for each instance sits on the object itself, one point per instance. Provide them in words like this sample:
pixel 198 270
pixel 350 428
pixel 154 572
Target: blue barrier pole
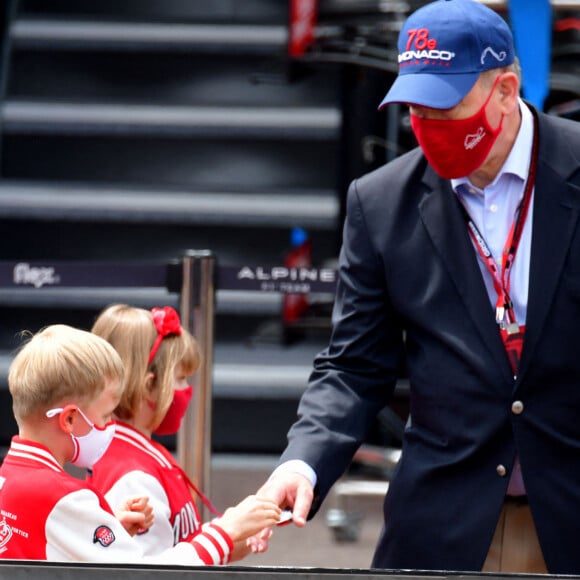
pixel 531 23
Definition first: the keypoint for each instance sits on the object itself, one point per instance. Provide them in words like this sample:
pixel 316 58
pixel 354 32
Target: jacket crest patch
pixel 104 536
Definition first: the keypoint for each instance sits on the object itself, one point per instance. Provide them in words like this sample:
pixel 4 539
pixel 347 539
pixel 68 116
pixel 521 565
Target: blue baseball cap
pixel 443 48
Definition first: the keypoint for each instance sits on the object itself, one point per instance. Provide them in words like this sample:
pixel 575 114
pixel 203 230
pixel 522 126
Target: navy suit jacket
pixel 411 293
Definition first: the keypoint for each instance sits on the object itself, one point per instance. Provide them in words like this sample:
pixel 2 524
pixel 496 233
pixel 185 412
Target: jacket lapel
pixel 446 226
pixel 556 206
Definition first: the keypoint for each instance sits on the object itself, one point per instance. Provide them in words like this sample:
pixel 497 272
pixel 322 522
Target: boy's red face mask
pixel 457 147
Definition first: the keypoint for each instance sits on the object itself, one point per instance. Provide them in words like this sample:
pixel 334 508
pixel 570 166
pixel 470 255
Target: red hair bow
pixel 166 321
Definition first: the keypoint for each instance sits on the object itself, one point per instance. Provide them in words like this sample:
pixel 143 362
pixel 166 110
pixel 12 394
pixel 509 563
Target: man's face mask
pixel 456 148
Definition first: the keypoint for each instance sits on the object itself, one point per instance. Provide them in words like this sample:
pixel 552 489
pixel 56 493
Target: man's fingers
pixel 302 504
pixel 301 510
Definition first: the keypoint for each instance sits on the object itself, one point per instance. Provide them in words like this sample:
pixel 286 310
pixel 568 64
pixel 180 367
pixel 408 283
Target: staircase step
pixel 253 404
pixel 245 381
pixel 199 164
pixel 106 35
pixel 195 122
pixel 227 301
pixel 96 241
pixel 167 78
pixel 70 202
pixel 263 11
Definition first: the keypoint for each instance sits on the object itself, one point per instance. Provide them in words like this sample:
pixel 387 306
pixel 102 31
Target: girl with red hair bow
pixel 159 355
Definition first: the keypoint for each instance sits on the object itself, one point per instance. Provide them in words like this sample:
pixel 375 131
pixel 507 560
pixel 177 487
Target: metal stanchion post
pixel 197 315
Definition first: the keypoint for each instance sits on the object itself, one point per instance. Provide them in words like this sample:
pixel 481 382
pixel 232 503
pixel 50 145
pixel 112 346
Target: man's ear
pixel 509 91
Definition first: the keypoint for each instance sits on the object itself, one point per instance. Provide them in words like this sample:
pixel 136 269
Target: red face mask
pixel 172 420
pixel 456 148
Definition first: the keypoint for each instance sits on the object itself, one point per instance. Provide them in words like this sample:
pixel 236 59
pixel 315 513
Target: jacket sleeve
pixel 79 529
pixel 354 377
pixel 138 483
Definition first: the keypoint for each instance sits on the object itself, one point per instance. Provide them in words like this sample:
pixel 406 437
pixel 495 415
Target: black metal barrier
pixel 20 570
pixel 73 274
pixel 277 279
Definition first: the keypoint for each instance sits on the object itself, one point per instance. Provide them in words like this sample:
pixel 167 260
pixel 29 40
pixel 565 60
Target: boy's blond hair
pixel 59 364
pixel 131 331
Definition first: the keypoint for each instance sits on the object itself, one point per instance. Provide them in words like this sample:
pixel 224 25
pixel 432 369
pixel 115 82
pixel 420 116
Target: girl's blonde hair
pixel 60 364
pixel 132 333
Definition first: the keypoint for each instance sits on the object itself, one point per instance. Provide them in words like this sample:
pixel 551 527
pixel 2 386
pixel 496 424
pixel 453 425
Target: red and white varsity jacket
pixel 135 465
pixel 47 514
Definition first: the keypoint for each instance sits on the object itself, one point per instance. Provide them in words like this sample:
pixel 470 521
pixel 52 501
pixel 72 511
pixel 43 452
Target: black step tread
pixel 130 119
pixel 167 78
pixel 211 11
pixel 111 203
pixel 199 164
pixel 95 241
pixel 268 372
pixel 79 34
pixel 227 301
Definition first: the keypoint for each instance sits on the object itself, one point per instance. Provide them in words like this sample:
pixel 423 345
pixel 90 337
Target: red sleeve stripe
pixel 206 550
pixel 213 545
pixel 222 539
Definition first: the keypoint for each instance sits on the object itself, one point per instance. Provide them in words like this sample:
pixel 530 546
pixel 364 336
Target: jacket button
pixel 517 407
pixel 501 470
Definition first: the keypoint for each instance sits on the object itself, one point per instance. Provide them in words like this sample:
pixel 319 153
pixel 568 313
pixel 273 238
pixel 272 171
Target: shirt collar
pixel 519 158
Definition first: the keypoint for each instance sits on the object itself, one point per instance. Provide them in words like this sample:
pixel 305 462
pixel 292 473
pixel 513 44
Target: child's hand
pixel 240 551
pixel 136 515
pixel 259 542
pixel 249 517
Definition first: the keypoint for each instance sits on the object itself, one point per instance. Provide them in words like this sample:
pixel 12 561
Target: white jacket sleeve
pixel 160 535
pixel 79 530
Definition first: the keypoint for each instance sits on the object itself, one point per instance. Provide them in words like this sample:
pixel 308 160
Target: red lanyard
pixel 504 311
pixel 206 501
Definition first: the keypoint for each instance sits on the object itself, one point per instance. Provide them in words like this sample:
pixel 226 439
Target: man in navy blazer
pixel 461 263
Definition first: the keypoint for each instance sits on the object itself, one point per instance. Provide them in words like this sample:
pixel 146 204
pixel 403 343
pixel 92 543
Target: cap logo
pixel 499 57
pixel 421 46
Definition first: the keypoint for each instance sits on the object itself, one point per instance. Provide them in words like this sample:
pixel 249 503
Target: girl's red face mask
pixel 457 147
pixel 172 420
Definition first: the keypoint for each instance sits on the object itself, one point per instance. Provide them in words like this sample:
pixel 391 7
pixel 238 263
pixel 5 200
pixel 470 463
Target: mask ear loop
pixel 495 83
pixel 62 420
pixel 59 410
pixel 488 99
